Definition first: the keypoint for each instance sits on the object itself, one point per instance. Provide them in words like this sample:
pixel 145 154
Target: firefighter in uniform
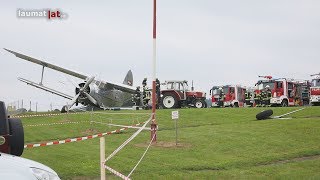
pixel 145 94
pixel 257 99
pixel 158 92
pixel 137 97
pixel 248 95
pixel 266 96
pixel 221 101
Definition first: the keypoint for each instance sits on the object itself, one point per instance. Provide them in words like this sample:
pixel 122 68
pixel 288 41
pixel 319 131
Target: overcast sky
pixel 211 42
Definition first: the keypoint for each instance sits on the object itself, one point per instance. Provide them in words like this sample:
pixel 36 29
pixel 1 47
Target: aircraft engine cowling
pixel 87 90
pixel 82 97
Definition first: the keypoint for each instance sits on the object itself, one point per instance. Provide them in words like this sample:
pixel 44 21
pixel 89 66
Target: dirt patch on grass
pixel 203 169
pixel 90 132
pixel 298 159
pixel 164 144
pixel 309 117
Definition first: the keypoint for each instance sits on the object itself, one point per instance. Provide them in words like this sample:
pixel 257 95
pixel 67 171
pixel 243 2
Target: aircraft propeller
pixel 82 91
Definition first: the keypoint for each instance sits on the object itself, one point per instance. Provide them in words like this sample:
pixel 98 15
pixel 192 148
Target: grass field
pixel 226 143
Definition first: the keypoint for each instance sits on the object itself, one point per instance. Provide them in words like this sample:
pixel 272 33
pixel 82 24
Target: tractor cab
pixel 180 87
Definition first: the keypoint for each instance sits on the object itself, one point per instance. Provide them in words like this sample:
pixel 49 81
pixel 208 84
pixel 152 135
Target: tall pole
pixel 153 122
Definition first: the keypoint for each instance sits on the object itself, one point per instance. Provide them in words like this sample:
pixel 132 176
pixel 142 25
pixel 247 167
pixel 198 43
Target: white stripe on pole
pixel 102 158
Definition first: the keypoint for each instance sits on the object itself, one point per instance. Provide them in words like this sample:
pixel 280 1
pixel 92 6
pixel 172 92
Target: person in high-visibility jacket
pixel 221 98
pixel 257 99
pixel 266 95
pixel 248 97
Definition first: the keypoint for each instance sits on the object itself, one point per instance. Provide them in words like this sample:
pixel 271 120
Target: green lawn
pixel 221 143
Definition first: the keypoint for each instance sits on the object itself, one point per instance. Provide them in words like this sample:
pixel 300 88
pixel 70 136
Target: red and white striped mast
pixel 153 122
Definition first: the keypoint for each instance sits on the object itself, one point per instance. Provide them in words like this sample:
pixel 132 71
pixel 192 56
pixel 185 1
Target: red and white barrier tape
pixel 46 115
pixel 50 124
pixel 117 173
pixel 76 139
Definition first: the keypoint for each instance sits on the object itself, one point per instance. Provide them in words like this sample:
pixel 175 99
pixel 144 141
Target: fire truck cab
pixel 285 92
pixel 315 90
pixel 227 96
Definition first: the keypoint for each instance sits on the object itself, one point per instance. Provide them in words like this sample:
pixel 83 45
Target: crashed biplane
pixel 90 93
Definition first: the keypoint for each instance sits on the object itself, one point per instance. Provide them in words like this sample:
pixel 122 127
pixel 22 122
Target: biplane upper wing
pixel 111 85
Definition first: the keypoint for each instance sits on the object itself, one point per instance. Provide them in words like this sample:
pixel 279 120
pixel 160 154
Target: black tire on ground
pixel 264 114
pixel 16 139
pixel 284 103
pixel 199 103
pixel 169 101
pixel 236 105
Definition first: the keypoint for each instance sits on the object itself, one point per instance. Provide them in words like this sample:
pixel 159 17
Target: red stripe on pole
pixel 154 19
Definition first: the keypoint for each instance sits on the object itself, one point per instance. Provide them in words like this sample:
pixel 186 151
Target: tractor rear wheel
pixel 169 101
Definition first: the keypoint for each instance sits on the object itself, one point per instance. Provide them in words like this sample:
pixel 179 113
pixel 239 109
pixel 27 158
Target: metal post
pixel 30 107
pixel 42 75
pixel 102 158
pixel 153 122
pixel 36 107
pixel 176 124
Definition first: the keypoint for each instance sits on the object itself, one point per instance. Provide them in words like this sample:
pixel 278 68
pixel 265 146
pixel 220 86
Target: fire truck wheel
pixel 16 137
pixel 284 103
pixel 264 114
pixel 199 103
pixel 169 101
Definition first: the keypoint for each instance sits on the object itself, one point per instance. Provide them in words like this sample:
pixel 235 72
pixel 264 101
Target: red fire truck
pixel 227 96
pixel 285 92
pixel 315 89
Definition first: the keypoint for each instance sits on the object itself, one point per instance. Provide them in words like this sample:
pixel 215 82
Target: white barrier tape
pixel 128 140
pixel 117 173
pixel 76 139
pixel 50 124
pixel 46 115
pixel 145 152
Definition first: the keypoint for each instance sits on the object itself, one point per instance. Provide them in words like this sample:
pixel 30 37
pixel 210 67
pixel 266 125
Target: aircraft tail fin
pixel 128 80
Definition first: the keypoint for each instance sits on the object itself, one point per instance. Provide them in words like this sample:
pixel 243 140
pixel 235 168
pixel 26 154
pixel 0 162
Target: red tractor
pixel 177 94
